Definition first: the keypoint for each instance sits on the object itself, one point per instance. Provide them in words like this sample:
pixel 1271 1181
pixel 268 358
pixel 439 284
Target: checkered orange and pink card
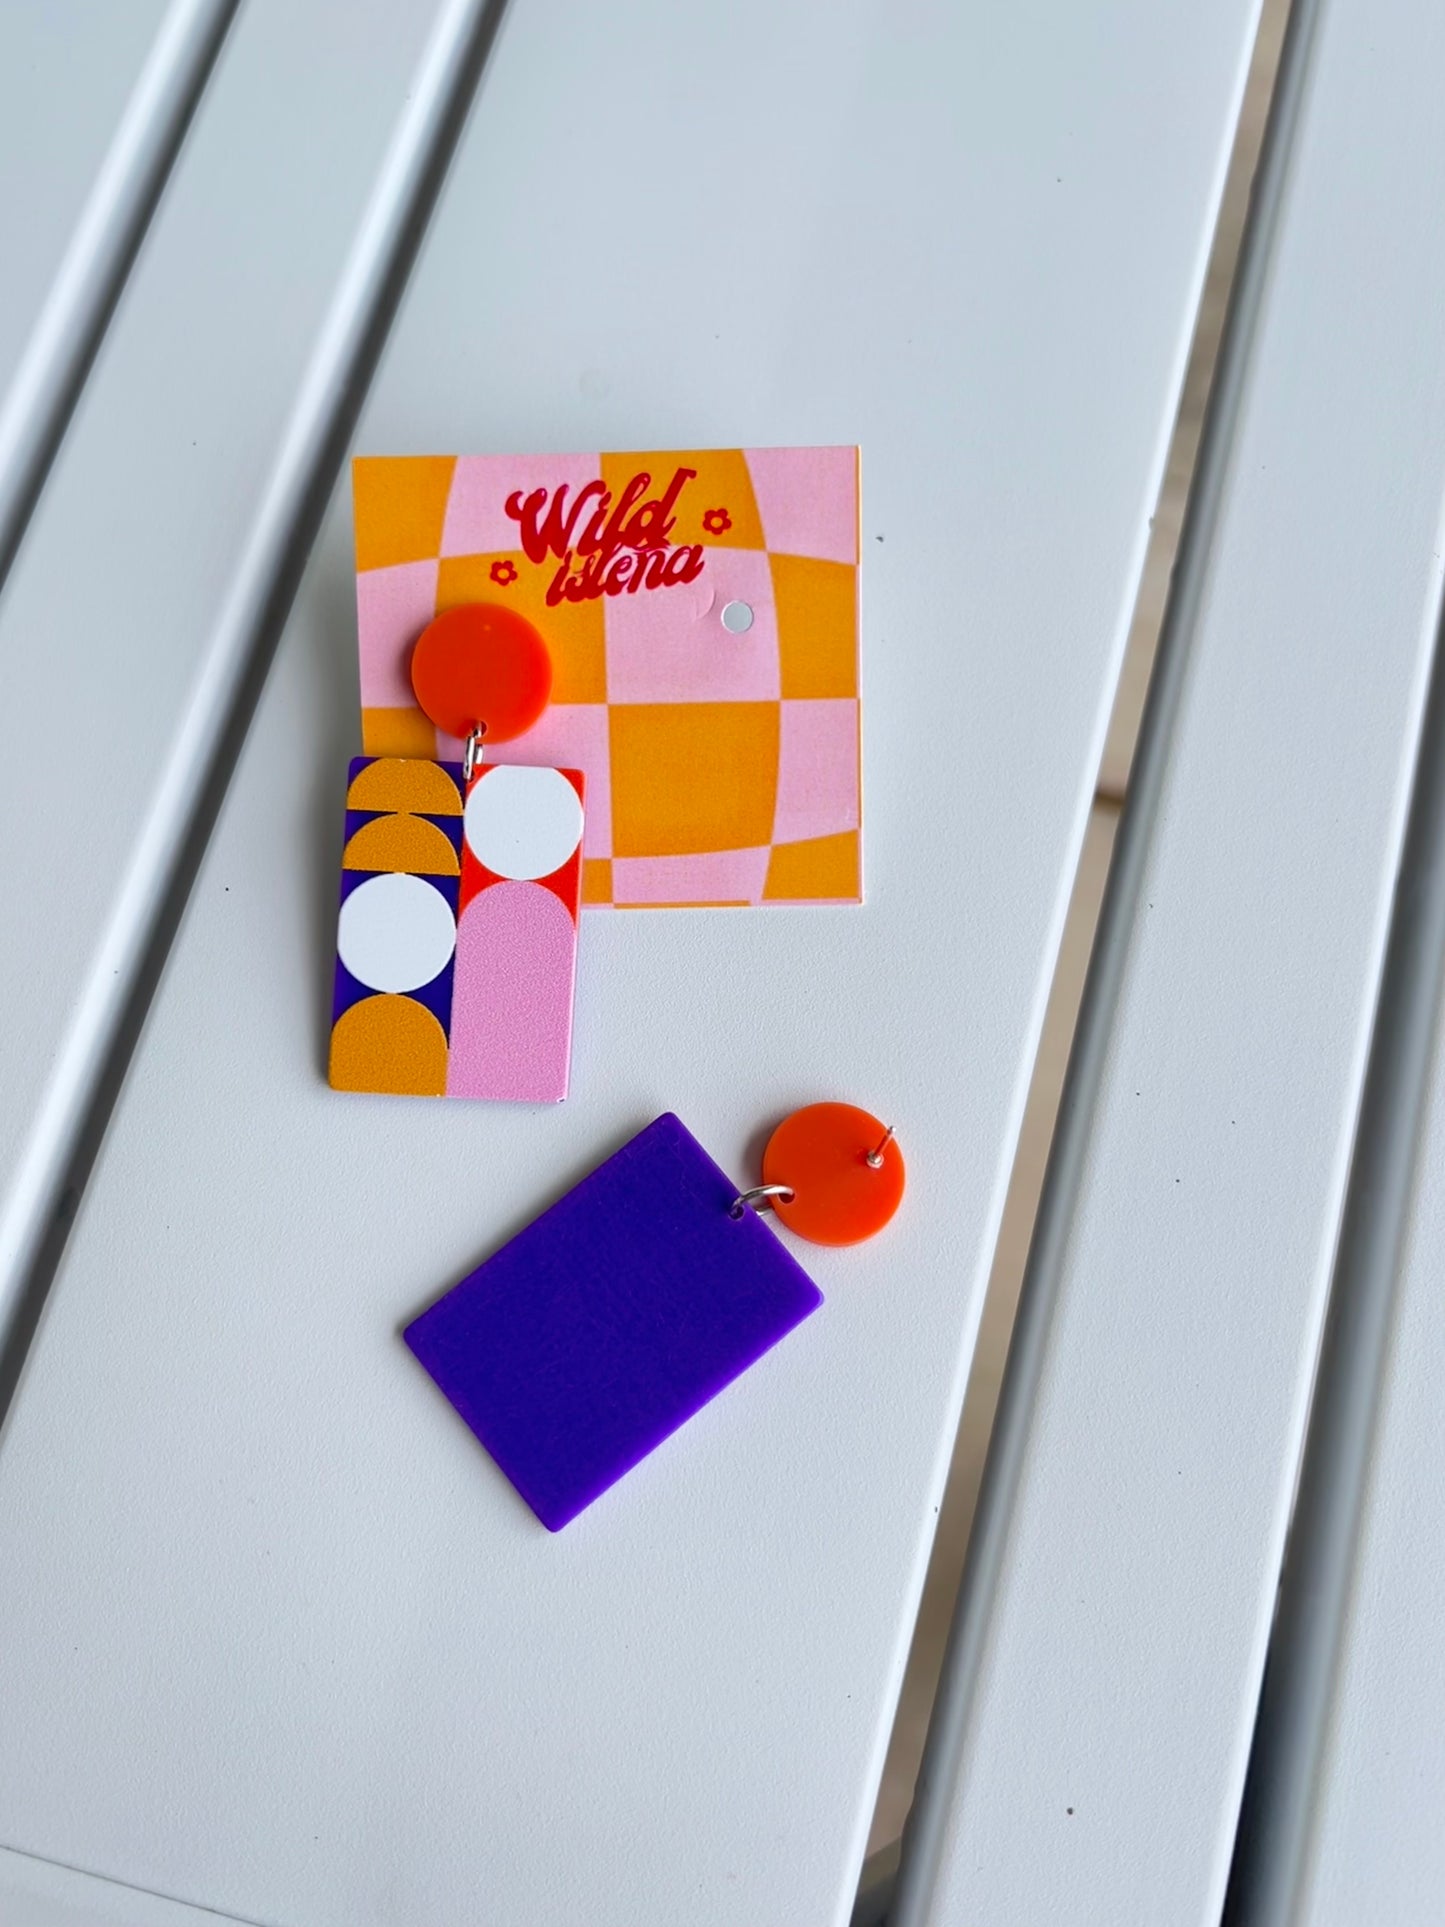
pixel 699 617
pixel 722 767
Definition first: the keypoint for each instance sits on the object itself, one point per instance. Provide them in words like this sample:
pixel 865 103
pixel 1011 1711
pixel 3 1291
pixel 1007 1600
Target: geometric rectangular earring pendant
pixel 456 952
pixel 396 934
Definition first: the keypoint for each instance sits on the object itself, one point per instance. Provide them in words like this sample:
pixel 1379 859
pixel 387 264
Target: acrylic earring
pixel 461 886
pixel 600 1329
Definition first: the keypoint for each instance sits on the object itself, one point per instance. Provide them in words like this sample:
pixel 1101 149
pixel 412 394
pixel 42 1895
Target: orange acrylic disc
pixel 822 1154
pixel 484 667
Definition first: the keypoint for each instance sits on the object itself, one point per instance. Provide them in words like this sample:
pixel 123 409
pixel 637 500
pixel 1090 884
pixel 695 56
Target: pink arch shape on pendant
pixel 511 1032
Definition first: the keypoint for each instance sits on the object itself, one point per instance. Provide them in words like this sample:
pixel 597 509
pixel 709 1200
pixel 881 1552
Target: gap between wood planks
pixel 961 1492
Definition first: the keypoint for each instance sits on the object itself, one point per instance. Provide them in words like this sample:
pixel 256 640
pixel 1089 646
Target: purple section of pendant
pixel 580 1346
pixel 437 995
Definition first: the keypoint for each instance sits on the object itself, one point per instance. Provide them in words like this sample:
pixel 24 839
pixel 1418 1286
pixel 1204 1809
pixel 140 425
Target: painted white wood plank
pixel 973 240
pixel 1335 1509
pixel 1376 1852
pixel 37 1893
pixel 1366 1756
pixel 1103 1742
pixel 92 100
pixel 142 590
pixel 63 93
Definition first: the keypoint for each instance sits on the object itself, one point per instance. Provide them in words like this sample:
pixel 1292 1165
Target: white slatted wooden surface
pixel 1101 1744
pixel 64 92
pixel 1375 1850
pixel 38 1893
pixel 130 614
pixel 272 1636
pixel 91 101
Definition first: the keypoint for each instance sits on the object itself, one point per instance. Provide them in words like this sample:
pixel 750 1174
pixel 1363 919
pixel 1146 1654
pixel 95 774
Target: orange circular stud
pixel 481 665
pixel 844 1169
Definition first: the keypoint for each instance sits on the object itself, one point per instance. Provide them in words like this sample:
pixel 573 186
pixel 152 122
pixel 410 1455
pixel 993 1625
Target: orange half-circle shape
pixel 405 783
pixel 391 1044
pixel 406 843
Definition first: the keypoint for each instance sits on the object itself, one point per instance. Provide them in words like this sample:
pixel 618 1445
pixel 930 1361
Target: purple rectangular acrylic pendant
pixel 580 1346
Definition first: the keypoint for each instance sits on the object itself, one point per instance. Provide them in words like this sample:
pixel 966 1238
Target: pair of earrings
pixel 582 1344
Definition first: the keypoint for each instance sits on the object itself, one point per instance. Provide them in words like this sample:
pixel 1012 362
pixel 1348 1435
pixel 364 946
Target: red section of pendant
pixel 821 1153
pixel 481 665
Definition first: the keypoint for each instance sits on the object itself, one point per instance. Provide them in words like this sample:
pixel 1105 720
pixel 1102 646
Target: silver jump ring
pixel 760 1194
pixel 472 754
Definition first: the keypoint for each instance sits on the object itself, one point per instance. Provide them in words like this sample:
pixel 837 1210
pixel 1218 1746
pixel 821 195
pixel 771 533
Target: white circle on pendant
pixel 523 823
pixel 396 932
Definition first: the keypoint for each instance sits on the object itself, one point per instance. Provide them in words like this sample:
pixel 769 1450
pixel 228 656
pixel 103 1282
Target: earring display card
pixel 701 612
pixel 456 947
pixel 579 1347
